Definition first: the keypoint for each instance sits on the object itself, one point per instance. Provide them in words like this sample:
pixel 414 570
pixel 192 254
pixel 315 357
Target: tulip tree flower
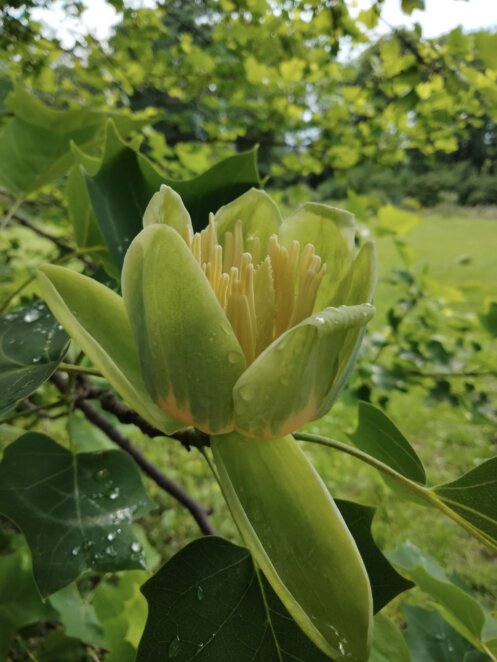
pixel 245 331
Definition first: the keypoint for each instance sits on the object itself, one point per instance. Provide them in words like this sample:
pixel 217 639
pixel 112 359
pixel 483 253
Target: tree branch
pixel 198 512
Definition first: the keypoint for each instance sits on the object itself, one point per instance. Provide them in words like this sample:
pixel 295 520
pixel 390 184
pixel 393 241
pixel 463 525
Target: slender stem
pixel 78 370
pixel 421 491
pixel 11 213
pixel 33 410
pixel 210 464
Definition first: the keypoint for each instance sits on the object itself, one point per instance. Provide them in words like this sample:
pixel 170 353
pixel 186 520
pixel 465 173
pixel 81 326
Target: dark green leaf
pixel 207 603
pixel 473 496
pixel 379 437
pixel 20 602
pixel 75 510
pixel 121 190
pixel 488 318
pixel 431 639
pixel 32 344
pixel 386 583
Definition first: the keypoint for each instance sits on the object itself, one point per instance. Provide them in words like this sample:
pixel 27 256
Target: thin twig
pixel 198 512
pixel 188 438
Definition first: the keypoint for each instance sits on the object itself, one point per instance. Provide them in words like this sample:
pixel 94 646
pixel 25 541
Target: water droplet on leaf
pixel 174 647
pixel 31 315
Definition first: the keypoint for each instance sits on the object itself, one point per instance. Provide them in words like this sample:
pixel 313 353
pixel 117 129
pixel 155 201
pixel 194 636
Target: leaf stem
pixel 70 368
pixel 425 493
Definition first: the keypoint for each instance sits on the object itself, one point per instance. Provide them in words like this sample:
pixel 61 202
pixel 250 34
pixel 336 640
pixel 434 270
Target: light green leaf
pixel 312 563
pixel 397 222
pixel 95 318
pixel 32 345
pixel 408 6
pixel 388 642
pixel 77 616
pixel 190 357
pixel 456 606
pixel 304 367
pixel 331 231
pixel 379 437
pixel 260 218
pixel 74 510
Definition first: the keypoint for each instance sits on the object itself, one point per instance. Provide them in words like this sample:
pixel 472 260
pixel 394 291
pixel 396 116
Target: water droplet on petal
pixel 233 357
pixel 247 392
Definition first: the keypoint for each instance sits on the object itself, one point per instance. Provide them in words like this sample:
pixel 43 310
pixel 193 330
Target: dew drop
pixel 174 647
pixel 247 392
pixel 75 551
pixel 200 593
pixel 36 359
pixel 111 536
pixel 136 547
pixel 233 357
pixel 102 475
pixel 31 315
pixel 113 494
pixel 110 551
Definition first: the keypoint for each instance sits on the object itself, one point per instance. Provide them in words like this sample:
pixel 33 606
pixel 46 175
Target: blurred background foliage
pixel 398 128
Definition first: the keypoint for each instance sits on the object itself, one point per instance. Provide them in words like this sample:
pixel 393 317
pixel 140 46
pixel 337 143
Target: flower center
pixel 262 296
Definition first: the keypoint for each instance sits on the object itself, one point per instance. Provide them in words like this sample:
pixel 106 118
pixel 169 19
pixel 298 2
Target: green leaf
pixel 122 610
pixel 431 639
pixel 379 437
pixel 388 642
pixel 20 602
pixel 456 606
pixel 119 209
pixel 190 356
pixel 473 496
pixel 312 563
pixel 386 583
pixel 488 318
pixel 305 367
pixel 95 318
pixel 408 6
pixel 77 616
pixel 75 510
pixel 35 146
pixel 397 222
pixel 210 603
pixel 32 345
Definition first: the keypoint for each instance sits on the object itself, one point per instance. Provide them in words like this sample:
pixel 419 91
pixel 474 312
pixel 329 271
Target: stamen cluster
pixel 262 295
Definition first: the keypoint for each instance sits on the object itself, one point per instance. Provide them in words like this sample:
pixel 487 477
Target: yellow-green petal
pixel 359 284
pixel 259 215
pixel 298 538
pixel 190 357
pixel 167 208
pixel 297 378
pixel 95 318
pixel 331 231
